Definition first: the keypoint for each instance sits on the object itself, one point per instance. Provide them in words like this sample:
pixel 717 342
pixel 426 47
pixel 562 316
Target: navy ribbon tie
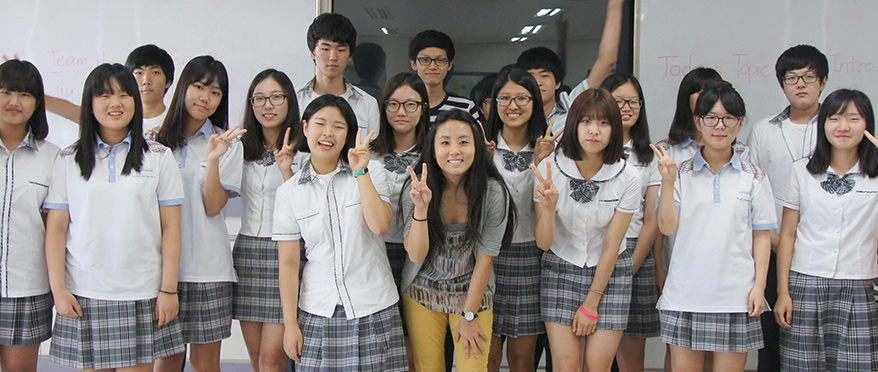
pixel 583 191
pixel 266 159
pixel 517 162
pixel 398 163
pixel 839 185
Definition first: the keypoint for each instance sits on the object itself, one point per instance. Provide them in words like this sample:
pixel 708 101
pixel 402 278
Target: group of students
pixel 369 229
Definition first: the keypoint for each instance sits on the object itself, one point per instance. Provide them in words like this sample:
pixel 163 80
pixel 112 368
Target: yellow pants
pixel 427 330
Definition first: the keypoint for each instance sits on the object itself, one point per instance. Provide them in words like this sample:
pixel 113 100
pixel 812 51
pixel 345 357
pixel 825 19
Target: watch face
pixel 469 315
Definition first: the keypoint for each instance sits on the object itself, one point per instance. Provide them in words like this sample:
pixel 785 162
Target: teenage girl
pixel 518 131
pixel 581 223
pixel 345 318
pixel 210 160
pixel 827 259
pixel 271 119
pixel 25 300
pixel 113 235
pixel 643 319
pixel 721 208
pixel 452 235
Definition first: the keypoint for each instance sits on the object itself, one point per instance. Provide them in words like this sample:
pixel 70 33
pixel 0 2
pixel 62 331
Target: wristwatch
pixel 360 172
pixel 469 315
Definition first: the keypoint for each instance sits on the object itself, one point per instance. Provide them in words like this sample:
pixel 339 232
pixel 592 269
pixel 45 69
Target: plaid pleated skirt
pixel 256 295
pixel 205 311
pixel 643 317
pixel 113 334
pixel 370 343
pixel 25 321
pixel 564 286
pixel 517 293
pixel 723 332
pixel 835 325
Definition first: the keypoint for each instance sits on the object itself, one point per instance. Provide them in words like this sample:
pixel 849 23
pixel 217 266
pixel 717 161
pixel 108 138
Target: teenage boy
pixel 547 69
pixel 431 54
pixel 332 39
pixel 775 143
pixel 153 68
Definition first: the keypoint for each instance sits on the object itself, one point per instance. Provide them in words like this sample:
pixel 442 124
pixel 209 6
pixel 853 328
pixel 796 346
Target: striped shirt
pixel 454 102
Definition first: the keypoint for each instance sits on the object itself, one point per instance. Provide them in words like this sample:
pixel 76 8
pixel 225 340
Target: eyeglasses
pixel 632 103
pixel 425 61
pixel 794 79
pixel 519 100
pixel 275 99
pixel 408 106
pixel 711 121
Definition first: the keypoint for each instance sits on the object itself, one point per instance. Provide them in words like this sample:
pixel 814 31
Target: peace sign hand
pixel 359 156
pixel 284 156
pixel 666 166
pixel 546 192
pixel 421 193
pixel 546 144
pixel 218 144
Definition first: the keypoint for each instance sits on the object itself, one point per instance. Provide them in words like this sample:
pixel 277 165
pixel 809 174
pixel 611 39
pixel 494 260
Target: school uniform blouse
pixel 712 269
pixel 27 170
pixel 558 117
pixel 365 106
pixel 396 164
pixel 837 233
pixel 585 208
pixel 114 240
pixel 261 178
pixel 519 178
pixel 347 262
pixel 649 176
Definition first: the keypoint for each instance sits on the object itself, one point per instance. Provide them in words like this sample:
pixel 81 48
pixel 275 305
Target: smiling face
pixel 402 121
pixel 630 115
pixel 115 110
pixel 432 74
pixel 17 107
pixel 513 115
pixel 719 137
pixel 454 148
pixel 270 115
pixel 594 135
pixel 152 82
pixel 845 129
pixel 202 99
pixel 331 58
pixel 326 133
pixel 802 95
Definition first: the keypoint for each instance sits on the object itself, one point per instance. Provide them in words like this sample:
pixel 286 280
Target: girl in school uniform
pixel 721 208
pixel 518 130
pixel 210 160
pixel 271 119
pixel 643 318
pixel 581 222
pixel 345 317
pixel 114 215
pixel 455 223
pixel 25 300
pixel 827 256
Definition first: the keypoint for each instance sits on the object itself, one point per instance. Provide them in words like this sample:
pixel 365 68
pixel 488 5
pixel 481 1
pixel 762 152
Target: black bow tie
pixel 583 191
pixel 517 162
pixel 839 185
pixel 399 163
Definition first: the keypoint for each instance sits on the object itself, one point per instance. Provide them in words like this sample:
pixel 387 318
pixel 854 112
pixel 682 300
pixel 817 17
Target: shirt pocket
pixel 352 216
pixel 742 205
pixel 35 191
pixel 309 222
pixel 144 184
pixel 603 211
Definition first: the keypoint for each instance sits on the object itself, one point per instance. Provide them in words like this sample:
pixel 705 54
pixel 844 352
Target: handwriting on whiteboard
pixel 745 68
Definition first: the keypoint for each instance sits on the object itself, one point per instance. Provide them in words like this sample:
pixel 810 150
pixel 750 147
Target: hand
pixel 489 145
pixel 6 58
pixel 468 333
pixel 546 192
pixel 756 302
pixel 666 166
pixel 783 311
pixel 359 156
pixel 66 305
pixel 218 144
pixel 546 145
pixel 166 308
pixel 583 325
pixel 871 138
pixel 293 342
pixel 421 194
pixel 284 156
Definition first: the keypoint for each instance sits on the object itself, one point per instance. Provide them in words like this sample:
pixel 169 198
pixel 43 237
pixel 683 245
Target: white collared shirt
pixel 712 269
pixel 649 176
pixel 580 228
pixel 520 183
pixel 558 117
pixel 114 240
pixel 837 235
pixel 364 105
pixel 27 171
pixel 347 263
pixel 261 178
pixel 396 177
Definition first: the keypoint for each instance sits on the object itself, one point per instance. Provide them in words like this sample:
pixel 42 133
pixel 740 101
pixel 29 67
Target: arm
pixel 56 259
pixel 63 108
pixel 167 304
pixel 608 52
pixel 546 199
pixel 469 332
pixel 417 240
pixel 288 281
pixel 667 216
pixel 214 194
pixel 761 253
pixel 660 273
pixel 376 211
pixel 783 309
pixel 648 232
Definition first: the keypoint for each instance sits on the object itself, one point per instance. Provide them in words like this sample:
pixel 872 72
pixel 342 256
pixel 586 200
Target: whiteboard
pixel 742 40
pixel 66 39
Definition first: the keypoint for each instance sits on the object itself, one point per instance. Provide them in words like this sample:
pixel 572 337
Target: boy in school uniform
pixel 776 142
pixel 332 39
pixel 431 54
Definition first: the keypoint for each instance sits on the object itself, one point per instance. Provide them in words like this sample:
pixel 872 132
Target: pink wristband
pixel 587 314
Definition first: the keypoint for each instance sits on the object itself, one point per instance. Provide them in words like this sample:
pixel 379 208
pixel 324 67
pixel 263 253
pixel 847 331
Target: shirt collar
pixel 309 175
pixel 688 142
pixel 854 170
pixel 698 161
pixel 607 172
pixel 350 91
pixel 100 144
pixel 502 145
pixel 558 108
pixel 785 114
pixel 206 129
pixel 28 141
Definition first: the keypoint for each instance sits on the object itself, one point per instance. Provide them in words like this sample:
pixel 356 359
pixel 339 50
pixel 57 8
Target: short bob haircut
pixel 542 57
pixel 640 129
pixel 332 27
pixel 386 141
pixel 347 113
pixel 536 125
pixel 431 39
pixel 802 56
pixel 595 104
pixel 837 103
pixel 254 140
pixel 203 69
pixel 683 124
pixel 722 92
pixel 22 76
pixel 151 55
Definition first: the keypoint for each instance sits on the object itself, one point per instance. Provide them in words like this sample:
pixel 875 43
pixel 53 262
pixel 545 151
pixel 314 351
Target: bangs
pixel 26 80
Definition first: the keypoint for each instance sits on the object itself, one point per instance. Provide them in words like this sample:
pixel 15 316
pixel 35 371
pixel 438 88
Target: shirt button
pixel 836 231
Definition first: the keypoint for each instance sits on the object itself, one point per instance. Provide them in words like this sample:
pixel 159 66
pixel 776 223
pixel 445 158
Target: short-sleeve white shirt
pixel 365 106
pixel 558 117
pixel 519 178
pixel 114 239
pixel 397 173
pixel 259 185
pixel 837 235
pixel 347 262
pixel 649 176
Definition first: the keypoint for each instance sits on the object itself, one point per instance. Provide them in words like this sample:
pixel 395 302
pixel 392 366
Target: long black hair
pixel 475 184
pixel 23 76
pixel 100 81
pixel 347 113
pixel 200 69
pixel 536 125
pixel 640 129
pixel 386 141
pixel 254 140
pixel 683 124
pixel 838 103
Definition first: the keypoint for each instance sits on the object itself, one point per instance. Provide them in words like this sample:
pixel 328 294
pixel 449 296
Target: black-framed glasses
pixel 426 61
pixel 712 121
pixel 275 99
pixel 632 103
pixel 408 106
pixel 519 100
pixel 794 79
